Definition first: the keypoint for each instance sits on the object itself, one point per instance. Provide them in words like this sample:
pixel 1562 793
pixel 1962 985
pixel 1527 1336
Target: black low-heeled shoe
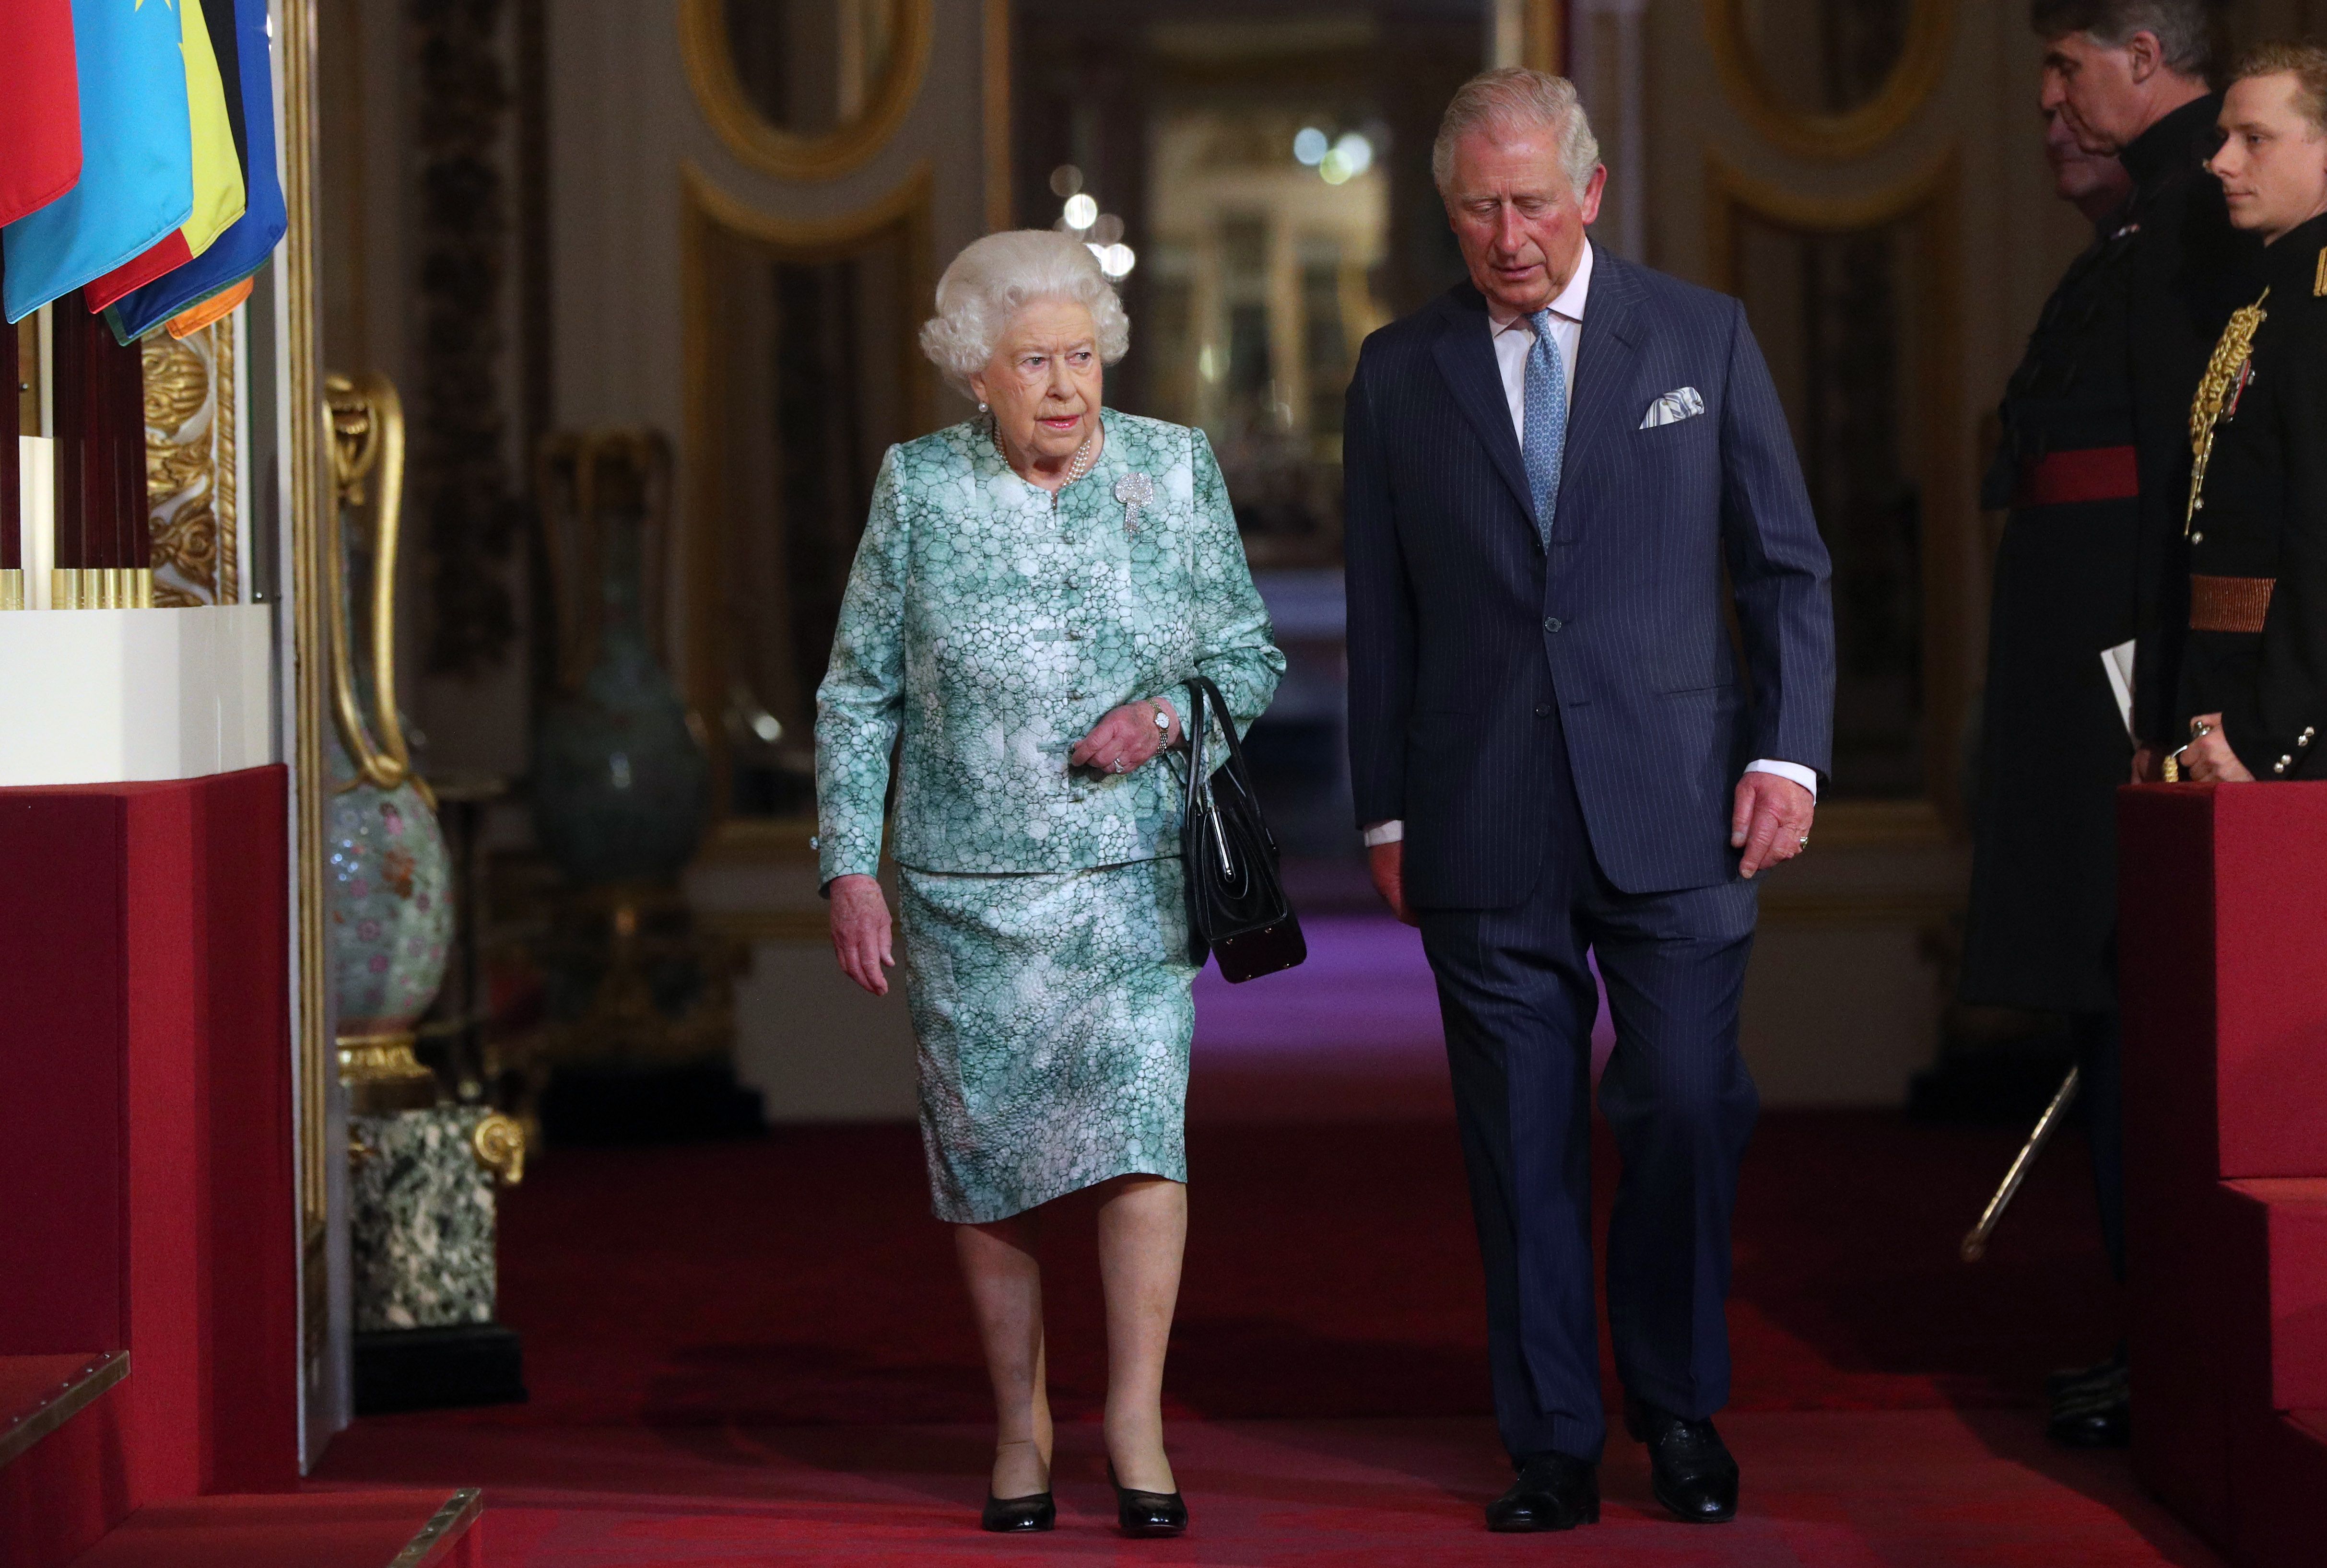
pixel 1141 1513
pixel 1034 1511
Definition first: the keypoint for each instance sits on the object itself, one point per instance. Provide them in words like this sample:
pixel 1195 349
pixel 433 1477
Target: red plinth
pixel 2222 953
pixel 146 1195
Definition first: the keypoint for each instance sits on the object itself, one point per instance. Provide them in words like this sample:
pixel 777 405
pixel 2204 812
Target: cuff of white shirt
pixel 1394 830
pixel 1805 777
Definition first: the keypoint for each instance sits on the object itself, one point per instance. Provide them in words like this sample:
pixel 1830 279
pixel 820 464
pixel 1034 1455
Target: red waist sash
pixel 2090 474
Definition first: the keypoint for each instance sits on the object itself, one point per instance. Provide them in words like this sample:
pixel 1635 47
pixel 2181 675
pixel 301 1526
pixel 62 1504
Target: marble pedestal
pixel 421 1208
pixel 421 1240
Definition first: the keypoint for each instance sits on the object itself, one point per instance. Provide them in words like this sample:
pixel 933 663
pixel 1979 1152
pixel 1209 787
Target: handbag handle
pixel 1197 772
pixel 1200 688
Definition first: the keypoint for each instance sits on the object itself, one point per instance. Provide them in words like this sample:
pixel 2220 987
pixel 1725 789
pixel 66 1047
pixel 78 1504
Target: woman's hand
pixel 2208 758
pixel 1126 737
pixel 860 931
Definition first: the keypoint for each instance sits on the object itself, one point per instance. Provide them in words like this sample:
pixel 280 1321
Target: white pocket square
pixel 1673 407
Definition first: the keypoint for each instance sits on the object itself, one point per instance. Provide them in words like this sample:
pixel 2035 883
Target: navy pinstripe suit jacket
pixel 1461 632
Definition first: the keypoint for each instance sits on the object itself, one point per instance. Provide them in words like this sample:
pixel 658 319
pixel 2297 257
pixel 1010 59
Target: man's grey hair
pixel 996 278
pixel 2184 29
pixel 1514 100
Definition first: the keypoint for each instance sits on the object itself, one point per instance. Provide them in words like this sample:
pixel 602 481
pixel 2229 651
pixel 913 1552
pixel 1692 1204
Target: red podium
pixel 149 1226
pixel 2222 956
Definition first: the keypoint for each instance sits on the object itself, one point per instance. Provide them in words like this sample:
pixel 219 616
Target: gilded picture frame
pixel 787 154
pixel 1831 137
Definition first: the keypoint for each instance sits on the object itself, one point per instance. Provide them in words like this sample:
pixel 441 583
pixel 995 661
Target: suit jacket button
pixel 1551 623
pixel 1543 710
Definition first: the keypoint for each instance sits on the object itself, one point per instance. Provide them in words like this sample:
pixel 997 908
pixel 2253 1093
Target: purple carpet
pixel 1364 1008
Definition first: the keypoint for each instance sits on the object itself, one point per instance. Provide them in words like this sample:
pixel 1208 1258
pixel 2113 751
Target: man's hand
pixel 1387 863
pixel 2209 760
pixel 860 931
pixel 1770 821
pixel 1126 737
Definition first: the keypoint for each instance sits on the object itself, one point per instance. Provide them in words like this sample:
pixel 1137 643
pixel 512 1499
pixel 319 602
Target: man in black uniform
pixel 2054 742
pixel 2251 687
pixel 2095 439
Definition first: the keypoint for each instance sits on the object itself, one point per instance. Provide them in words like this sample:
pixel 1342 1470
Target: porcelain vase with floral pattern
pixel 388 886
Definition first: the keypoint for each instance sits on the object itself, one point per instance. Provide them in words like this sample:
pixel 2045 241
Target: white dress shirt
pixel 1514 340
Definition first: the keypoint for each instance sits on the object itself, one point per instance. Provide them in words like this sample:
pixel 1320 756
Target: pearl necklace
pixel 1077 466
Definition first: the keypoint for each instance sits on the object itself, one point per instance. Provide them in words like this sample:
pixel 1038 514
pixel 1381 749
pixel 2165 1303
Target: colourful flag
pixel 137 157
pixel 195 317
pixel 39 105
pixel 218 175
pixel 244 249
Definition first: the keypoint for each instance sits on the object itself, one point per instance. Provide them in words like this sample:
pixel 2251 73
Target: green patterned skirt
pixel 1053 1014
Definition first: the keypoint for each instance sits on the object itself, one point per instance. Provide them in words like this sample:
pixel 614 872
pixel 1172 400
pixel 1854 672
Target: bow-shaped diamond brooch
pixel 1134 490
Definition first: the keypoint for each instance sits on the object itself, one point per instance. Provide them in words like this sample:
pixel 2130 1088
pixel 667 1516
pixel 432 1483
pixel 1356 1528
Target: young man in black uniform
pixel 2096 442
pixel 2251 687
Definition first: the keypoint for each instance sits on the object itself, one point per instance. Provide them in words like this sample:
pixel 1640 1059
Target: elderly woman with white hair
pixel 1034 589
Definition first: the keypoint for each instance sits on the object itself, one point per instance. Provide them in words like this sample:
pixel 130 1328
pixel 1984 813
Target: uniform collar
pixel 2290 264
pixel 2172 144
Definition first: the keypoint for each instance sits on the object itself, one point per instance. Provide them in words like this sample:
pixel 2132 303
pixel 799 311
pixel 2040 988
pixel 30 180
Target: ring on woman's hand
pixel 1805 843
pixel 1119 764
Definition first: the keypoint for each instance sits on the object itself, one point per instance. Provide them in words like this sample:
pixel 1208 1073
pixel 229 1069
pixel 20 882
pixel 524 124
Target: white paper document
pixel 2117 663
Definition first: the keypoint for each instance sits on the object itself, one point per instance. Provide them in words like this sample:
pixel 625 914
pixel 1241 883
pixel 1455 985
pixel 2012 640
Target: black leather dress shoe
pixel 1689 1467
pixel 1034 1511
pixel 2060 1384
pixel 1553 1491
pixel 2098 1413
pixel 1144 1513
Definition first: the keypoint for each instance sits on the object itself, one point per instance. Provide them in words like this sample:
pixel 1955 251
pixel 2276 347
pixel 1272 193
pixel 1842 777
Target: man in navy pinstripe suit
pixel 1563 477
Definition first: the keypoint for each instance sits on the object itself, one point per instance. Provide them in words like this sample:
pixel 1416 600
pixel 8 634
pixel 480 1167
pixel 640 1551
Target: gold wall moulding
pixel 1809 132
pixel 1542 41
pixel 751 135
pixel 720 234
pixel 1926 202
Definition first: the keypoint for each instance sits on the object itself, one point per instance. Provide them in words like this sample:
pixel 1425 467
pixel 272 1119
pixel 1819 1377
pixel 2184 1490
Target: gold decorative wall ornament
pixel 366 422
pixel 703 40
pixel 1832 137
pixel 190 465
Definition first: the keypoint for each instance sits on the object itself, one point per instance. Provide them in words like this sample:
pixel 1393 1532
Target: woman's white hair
pixel 1516 99
pixel 996 278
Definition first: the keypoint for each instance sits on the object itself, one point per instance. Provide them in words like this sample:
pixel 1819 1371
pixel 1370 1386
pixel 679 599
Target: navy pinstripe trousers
pixel 1518 1004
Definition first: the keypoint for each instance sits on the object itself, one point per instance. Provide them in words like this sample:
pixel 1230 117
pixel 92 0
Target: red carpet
pixel 758 1352
pixel 1897 1489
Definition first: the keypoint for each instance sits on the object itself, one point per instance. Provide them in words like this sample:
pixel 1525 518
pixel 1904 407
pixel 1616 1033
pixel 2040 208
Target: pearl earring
pixel 981 409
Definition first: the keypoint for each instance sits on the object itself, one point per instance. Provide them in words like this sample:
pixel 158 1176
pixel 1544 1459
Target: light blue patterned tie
pixel 1547 423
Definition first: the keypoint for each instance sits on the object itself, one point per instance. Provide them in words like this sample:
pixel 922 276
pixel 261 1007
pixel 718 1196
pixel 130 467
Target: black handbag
pixel 1237 906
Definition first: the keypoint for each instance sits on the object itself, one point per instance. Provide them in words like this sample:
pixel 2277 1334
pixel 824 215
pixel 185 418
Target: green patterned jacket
pixel 994 628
